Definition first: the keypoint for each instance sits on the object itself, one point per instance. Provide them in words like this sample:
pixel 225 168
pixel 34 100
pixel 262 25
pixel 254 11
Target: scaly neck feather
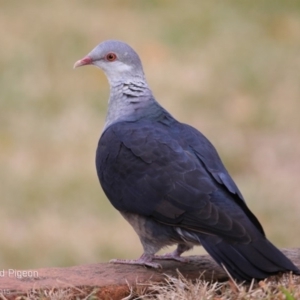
pixel 131 101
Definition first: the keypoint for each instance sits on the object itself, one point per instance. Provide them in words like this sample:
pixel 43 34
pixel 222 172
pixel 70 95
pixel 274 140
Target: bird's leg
pixel 175 255
pixel 145 260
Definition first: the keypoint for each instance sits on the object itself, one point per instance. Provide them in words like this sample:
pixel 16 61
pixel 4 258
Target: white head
pixel 118 60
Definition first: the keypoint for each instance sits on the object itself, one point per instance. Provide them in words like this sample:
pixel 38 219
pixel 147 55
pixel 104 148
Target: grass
pixel 179 288
pixel 229 68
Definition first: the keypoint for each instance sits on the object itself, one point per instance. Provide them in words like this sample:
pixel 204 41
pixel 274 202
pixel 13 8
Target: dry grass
pixel 229 68
pixel 284 288
pixel 182 289
pixel 71 293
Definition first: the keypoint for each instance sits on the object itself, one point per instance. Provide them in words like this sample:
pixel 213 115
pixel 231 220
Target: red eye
pixel 111 56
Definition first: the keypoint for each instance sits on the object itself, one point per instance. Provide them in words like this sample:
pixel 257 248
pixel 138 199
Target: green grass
pixel 229 68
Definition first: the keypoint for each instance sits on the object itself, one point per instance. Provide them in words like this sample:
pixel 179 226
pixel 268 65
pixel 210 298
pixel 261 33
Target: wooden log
pixel 113 281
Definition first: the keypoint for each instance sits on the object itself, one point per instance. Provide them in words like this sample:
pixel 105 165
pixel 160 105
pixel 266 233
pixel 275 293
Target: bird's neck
pixel 131 101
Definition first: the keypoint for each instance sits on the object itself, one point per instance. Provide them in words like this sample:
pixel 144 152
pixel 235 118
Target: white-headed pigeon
pixel 167 180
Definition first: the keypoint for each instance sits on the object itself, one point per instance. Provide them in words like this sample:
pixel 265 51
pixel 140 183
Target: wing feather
pixel 145 169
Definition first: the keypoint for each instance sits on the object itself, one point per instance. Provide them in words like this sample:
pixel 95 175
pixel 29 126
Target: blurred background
pixel 229 68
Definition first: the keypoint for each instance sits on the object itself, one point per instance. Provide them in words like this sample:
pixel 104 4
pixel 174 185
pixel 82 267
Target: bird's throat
pixel 129 102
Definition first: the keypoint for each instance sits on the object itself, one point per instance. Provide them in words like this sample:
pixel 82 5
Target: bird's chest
pixel 110 160
pixel 115 162
pixel 124 153
pixel 119 169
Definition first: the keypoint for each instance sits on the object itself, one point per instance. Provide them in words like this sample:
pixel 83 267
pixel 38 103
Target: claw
pixel 173 256
pixel 136 262
pixel 144 260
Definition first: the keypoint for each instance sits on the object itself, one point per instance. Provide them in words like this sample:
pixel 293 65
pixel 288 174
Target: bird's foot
pixel 144 260
pixel 174 256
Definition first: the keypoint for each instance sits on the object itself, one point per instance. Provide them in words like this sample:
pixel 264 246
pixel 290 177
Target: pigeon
pixel 168 181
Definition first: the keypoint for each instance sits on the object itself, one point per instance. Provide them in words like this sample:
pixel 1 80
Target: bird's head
pixel 117 59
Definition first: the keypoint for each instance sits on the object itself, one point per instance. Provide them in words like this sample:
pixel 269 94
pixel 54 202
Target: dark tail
pixel 258 259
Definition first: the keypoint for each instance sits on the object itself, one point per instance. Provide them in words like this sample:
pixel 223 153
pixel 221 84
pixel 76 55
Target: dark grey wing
pixel 208 155
pixel 148 169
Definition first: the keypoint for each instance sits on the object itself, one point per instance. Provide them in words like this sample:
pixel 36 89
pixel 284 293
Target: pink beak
pixel 82 62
